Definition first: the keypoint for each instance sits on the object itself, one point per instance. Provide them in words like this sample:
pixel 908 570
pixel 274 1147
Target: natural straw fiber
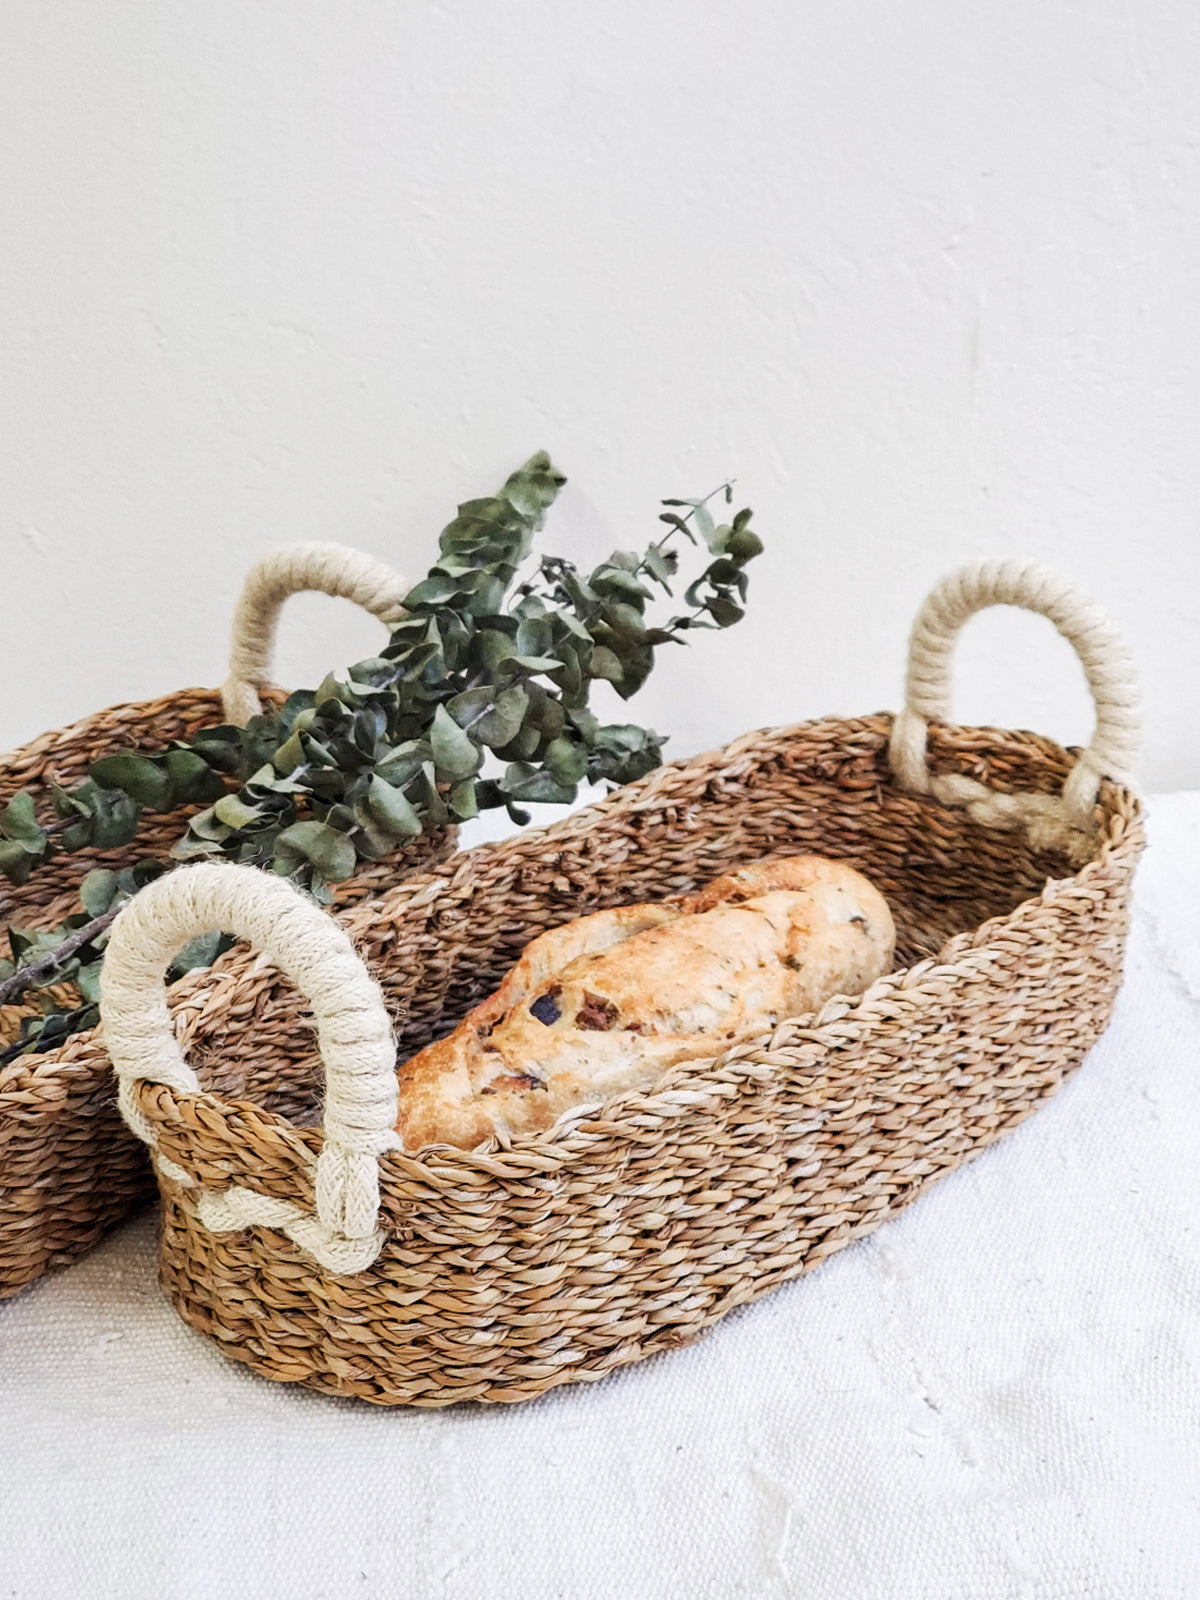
pixel 634 1226
pixel 69 1168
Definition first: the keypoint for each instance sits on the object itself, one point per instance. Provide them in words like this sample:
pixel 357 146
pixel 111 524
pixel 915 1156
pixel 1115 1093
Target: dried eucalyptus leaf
pixel 402 763
pixel 290 754
pixel 87 981
pixel 541 787
pixel 535 633
pixel 523 747
pixel 18 821
pixel 219 748
pixel 613 581
pixel 724 612
pixel 115 819
pixel 566 761
pixel 463 802
pixel 16 863
pixel 192 779
pixel 313 843
pixel 455 755
pixel 490 717
pixel 529 664
pixel 705 525
pixel 235 813
pixel 199 952
pixel 587 725
pixel 142 778
pixel 743 545
pixel 98 890
pixel 605 664
pixel 392 810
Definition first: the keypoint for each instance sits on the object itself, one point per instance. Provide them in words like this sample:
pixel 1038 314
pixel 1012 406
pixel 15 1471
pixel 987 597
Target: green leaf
pixel 535 633
pixel 235 813
pixel 523 746
pixel 529 664
pixel 98 891
pixel 612 581
pixel 566 761
pixel 19 821
pixel 490 718
pixel 705 525
pixel 115 819
pixel 331 853
pixel 743 545
pixel 16 863
pixel 723 612
pixel 140 777
pixel 219 748
pixel 436 590
pixel 290 754
pixel 193 780
pixel 587 725
pixel 545 711
pixel 455 755
pixel 662 565
pixel 391 810
pixel 201 951
pixel 402 763
pixel 675 520
pixel 87 981
pixel 331 689
pixel 463 802
pixel 521 782
pixel 605 664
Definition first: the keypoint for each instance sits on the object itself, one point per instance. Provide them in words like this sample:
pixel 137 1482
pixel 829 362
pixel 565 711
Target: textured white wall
pixel 923 277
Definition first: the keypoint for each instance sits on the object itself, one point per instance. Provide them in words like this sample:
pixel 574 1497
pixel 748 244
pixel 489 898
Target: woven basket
pixel 69 1168
pixel 333 1259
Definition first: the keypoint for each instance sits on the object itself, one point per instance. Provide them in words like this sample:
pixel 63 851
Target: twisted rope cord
pixel 1052 822
pixel 332 569
pixel 353 1031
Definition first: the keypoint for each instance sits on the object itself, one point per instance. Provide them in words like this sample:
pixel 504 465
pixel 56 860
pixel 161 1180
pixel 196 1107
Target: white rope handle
pixel 332 569
pixel 1110 675
pixel 353 1031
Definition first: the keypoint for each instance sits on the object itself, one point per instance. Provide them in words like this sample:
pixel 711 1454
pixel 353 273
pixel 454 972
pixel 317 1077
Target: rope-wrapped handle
pixel 332 569
pixel 1106 662
pixel 353 1031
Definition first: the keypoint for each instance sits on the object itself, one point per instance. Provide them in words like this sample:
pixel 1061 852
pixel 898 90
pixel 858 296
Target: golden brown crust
pixel 606 1004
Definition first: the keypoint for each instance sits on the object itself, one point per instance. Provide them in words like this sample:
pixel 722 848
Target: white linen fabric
pixel 995 1397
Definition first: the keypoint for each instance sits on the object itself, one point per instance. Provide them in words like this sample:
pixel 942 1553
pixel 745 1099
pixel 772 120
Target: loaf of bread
pixel 605 1004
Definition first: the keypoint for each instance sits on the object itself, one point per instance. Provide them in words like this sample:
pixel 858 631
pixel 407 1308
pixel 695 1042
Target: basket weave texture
pixel 69 1168
pixel 633 1230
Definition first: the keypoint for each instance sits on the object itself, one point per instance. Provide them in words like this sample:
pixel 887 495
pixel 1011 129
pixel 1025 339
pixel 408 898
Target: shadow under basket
pixel 635 1226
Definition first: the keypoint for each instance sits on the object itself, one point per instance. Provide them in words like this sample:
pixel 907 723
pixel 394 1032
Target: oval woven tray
pixel 498 1274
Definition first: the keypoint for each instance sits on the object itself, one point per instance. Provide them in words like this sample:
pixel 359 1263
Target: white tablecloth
pixel 998 1395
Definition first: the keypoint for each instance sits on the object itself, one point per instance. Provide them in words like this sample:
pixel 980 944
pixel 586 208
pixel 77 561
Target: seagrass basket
pixel 69 1167
pixel 299 1237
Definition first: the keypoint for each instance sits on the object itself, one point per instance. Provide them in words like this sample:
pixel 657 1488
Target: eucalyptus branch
pixel 35 972
pixel 479 699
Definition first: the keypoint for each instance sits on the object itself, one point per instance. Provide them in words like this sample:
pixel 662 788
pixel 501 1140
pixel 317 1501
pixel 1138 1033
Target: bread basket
pixel 329 1257
pixel 68 1166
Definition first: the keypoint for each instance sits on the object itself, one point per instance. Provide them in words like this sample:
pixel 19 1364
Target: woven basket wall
pixel 506 1272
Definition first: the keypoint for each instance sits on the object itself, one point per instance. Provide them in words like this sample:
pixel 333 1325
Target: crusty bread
pixel 605 1004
